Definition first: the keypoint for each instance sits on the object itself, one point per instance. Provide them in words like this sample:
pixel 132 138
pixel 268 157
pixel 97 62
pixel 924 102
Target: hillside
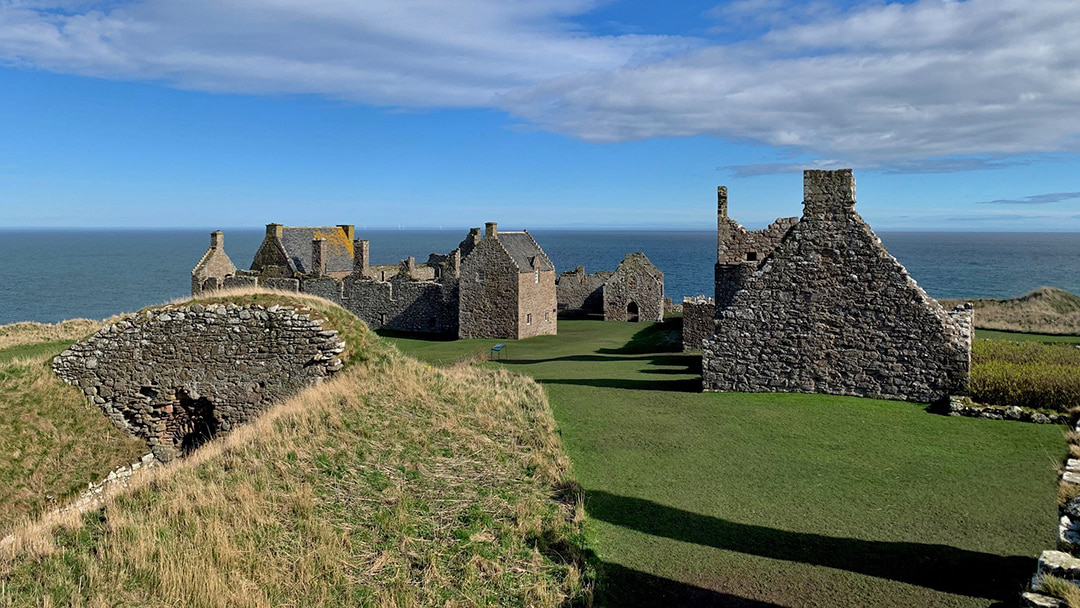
pixel 45 457
pixel 392 484
pixel 1046 310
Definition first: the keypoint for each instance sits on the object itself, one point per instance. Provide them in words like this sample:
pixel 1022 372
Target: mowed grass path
pixel 781 500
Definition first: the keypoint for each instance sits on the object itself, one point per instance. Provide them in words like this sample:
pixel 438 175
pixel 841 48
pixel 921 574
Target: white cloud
pixel 874 86
pixel 416 53
pixel 879 85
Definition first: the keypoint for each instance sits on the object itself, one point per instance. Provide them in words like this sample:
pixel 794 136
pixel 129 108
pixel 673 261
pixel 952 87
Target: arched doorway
pixel 632 312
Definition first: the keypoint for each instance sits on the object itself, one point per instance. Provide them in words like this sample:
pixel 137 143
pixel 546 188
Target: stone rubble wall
pixel 580 293
pixel 830 311
pixel 698 322
pixel 175 374
pixel 636 281
pixel 537 304
pixel 403 305
pixel 488 293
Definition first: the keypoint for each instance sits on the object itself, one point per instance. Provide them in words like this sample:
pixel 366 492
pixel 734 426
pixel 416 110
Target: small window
pixel 751 256
pixel 382 318
pixel 528 319
pixel 547 316
pixel 480 276
pixel 537 276
pixel 432 323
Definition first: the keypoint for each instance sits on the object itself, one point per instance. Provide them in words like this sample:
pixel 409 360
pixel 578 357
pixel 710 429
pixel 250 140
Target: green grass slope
pixel 393 484
pixel 767 500
pixel 1046 310
pixel 52 442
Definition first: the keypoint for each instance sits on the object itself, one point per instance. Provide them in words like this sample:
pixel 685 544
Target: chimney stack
pixel 217 240
pixel 361 250
pixel 318 257
pixel 491 229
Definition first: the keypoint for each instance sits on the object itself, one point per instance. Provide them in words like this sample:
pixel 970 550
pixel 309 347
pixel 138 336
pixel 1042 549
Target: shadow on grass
pixel 625 587
pixel 662 337
pixel 686 385
pixel 938 567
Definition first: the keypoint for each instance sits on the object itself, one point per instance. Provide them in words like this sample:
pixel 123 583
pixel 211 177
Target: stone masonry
pixel 699 321
pixel 828 310
pixel 635 291
pixel 507 288
pixel 328 262
pixel 178 375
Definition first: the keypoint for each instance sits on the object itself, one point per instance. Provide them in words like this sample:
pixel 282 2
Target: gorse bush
pixel 1027 374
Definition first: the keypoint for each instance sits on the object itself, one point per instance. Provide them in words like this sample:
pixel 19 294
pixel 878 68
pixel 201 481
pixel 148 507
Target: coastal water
pixel 50 275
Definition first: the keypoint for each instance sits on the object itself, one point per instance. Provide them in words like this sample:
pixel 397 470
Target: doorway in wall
pixel 632 312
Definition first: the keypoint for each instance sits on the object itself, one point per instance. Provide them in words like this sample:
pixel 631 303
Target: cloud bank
pixel 930 86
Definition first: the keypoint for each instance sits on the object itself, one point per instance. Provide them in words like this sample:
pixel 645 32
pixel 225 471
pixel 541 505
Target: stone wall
pixel 635 291
pixel 403 305
pixel 579 293
pixel 832 312
pixel 489 293
pixel 177 375
pixel 537 304
pixel 740 251
pixel 698 321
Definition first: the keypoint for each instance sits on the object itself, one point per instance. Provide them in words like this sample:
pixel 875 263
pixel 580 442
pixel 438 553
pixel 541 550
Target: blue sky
pixel 536 113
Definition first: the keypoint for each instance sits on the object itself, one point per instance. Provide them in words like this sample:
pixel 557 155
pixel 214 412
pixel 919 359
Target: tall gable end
pixel 831 311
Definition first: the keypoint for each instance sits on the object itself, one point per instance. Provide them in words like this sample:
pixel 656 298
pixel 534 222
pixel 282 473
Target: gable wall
pixel 833 312
pixel 489 309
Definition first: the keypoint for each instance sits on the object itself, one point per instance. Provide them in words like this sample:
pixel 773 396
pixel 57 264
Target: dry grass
pixel 1062 589
pixel 1047 310
pixel 394 484
pixel 29 332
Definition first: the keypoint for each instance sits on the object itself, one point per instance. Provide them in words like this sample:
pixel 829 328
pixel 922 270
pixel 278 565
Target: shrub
pixel 1027 374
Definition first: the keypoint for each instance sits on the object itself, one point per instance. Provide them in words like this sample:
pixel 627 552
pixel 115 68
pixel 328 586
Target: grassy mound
pixel 52 442
pixel 392 484
pixel 1047 310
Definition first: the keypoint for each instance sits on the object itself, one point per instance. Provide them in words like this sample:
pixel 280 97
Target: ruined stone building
pixel 515 299
pixel 634 292
pixel 507 287
pixel 817 305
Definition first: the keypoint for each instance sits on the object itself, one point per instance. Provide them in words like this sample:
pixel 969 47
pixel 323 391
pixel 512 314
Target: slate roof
pixel 524 250
pixel 338 248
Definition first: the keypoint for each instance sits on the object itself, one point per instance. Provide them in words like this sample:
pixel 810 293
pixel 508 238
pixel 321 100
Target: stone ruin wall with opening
pixel 636 281
pixel 579 293
pixel 174 375
pixel 831 311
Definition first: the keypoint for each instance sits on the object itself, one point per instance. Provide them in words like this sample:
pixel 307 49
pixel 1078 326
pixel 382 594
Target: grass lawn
pixel 1019 337
pixel 781 500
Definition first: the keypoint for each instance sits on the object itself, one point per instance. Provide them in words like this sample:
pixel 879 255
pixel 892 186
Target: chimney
pixel 360 258
pixel 350 231
pixel 455 263
pixel 318 257
pixel 721 201
pixel 828 191
pixel 217 240
pixel 491 229
pixel 275 231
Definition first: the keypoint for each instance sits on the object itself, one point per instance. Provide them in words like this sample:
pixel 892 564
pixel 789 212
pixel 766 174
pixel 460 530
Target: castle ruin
pixel 634 292
pixel 817 305
pixel 493 285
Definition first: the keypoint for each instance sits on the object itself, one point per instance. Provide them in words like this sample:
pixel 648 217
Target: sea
pixel 52 275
